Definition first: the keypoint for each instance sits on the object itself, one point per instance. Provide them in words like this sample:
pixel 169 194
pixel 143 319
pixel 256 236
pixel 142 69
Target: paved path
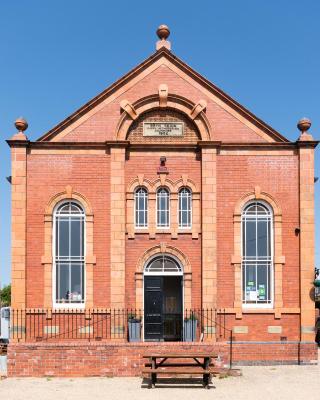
pixel 271 383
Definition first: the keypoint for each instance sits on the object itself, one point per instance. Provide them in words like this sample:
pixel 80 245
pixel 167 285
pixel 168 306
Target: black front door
pixel 163 308
pixel 153 304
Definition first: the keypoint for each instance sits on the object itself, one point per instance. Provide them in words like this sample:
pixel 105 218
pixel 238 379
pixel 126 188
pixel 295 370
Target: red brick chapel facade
pixel 164 190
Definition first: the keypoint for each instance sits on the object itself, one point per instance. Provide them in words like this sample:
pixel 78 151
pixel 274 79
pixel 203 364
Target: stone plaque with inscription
pixel 163 128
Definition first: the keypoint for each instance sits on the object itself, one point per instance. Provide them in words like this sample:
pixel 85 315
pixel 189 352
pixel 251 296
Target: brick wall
pixel 119 359
pixel 49 174
pixel 278 176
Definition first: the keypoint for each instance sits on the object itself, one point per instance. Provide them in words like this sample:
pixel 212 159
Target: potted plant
pixel 190 328
pixel 134 327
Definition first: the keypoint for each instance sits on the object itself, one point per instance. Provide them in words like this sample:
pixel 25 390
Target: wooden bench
pixel 204 368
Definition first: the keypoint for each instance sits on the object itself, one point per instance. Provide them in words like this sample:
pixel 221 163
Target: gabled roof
pixel 164 52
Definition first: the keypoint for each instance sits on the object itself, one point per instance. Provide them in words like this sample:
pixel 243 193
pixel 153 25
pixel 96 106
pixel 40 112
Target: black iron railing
pixel 112 324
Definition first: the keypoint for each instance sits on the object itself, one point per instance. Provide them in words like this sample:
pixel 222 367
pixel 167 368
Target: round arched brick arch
pixel 168 250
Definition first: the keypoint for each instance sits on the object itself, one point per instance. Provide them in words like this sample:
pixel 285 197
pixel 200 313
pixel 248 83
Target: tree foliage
pixel 5 296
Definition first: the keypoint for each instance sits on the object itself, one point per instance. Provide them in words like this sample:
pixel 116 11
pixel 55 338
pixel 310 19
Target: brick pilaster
pixel 209 237
pixel 117 236
pixel 18 146
pixel 306 169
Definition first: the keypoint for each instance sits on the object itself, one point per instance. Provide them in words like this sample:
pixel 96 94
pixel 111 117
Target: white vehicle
pixel 4 324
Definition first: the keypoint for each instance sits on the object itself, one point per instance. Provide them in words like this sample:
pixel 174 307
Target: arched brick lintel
pixel 257 194
pixel 163 248
pixel 170 250
pixel 68 194
pixel 175 103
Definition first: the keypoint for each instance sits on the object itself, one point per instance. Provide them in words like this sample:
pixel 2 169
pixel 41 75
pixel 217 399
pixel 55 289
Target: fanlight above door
pixel 163 265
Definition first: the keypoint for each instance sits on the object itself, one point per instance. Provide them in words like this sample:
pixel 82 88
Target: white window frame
pixel 267 260
pixel 146 208
pixel 180 210
pixel 58 305
pixel 167 210
pixel 177 272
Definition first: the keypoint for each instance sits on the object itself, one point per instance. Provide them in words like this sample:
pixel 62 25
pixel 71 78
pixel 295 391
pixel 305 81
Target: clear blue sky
pixel 56 55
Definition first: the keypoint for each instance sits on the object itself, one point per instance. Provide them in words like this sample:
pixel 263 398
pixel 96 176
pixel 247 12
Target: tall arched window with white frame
pixel 141 208
pixel 163 208
pixel 257 255
pixel 185 208
pixel 69 253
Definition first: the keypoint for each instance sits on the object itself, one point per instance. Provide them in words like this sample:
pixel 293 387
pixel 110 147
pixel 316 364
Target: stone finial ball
pixel 163 32
pixel 21 124
pixel 304 124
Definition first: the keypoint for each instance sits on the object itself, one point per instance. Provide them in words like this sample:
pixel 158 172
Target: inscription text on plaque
pixel 162 128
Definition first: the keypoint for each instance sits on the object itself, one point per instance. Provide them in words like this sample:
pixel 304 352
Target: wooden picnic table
pixel 199 366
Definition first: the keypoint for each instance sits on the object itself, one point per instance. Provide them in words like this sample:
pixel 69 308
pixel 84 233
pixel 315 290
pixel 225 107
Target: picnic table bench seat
pixel 162 367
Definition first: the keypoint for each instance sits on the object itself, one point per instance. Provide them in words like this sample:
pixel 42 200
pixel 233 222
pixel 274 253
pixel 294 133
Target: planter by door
pixel 134 328
pixel 189 330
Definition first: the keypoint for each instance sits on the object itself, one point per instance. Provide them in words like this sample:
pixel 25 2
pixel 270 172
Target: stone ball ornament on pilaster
pixel 304 124
pixel 21 124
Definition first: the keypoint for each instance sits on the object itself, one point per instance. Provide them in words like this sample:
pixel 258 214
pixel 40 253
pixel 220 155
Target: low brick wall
pixel 125 359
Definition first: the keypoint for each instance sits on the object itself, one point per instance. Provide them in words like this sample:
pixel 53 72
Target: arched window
pixel 69 253
pixel 163 208
pixel 141 208
pixel 257 255
pixel 163 265
pixel 185 208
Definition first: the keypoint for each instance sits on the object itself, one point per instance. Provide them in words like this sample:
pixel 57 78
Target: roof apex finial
pixel 163 33
pixel 304 125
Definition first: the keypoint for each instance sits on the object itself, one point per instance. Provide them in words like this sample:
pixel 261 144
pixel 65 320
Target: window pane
pixel 262 283
pixel 141 200
pixel 184 203
pixel 76 283
pixel 76 238
pixel 141 221
pixel 250 283
pixel 262 238
pixel 63 238
pixel 250 238
pixel 63 282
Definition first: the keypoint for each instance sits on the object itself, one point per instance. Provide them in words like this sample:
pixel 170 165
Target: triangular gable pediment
pixel 97 119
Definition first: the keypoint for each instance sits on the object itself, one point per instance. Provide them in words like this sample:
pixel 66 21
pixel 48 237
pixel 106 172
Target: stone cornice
pixel 161 146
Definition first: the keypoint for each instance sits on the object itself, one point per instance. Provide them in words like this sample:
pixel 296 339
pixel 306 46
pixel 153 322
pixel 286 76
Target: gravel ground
pixel 272 383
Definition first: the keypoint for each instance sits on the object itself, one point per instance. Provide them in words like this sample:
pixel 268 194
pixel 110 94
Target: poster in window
pixel 262 292
pixel 251 293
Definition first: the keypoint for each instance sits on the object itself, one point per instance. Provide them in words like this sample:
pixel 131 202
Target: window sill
pixel 258 310
pixel 67 306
